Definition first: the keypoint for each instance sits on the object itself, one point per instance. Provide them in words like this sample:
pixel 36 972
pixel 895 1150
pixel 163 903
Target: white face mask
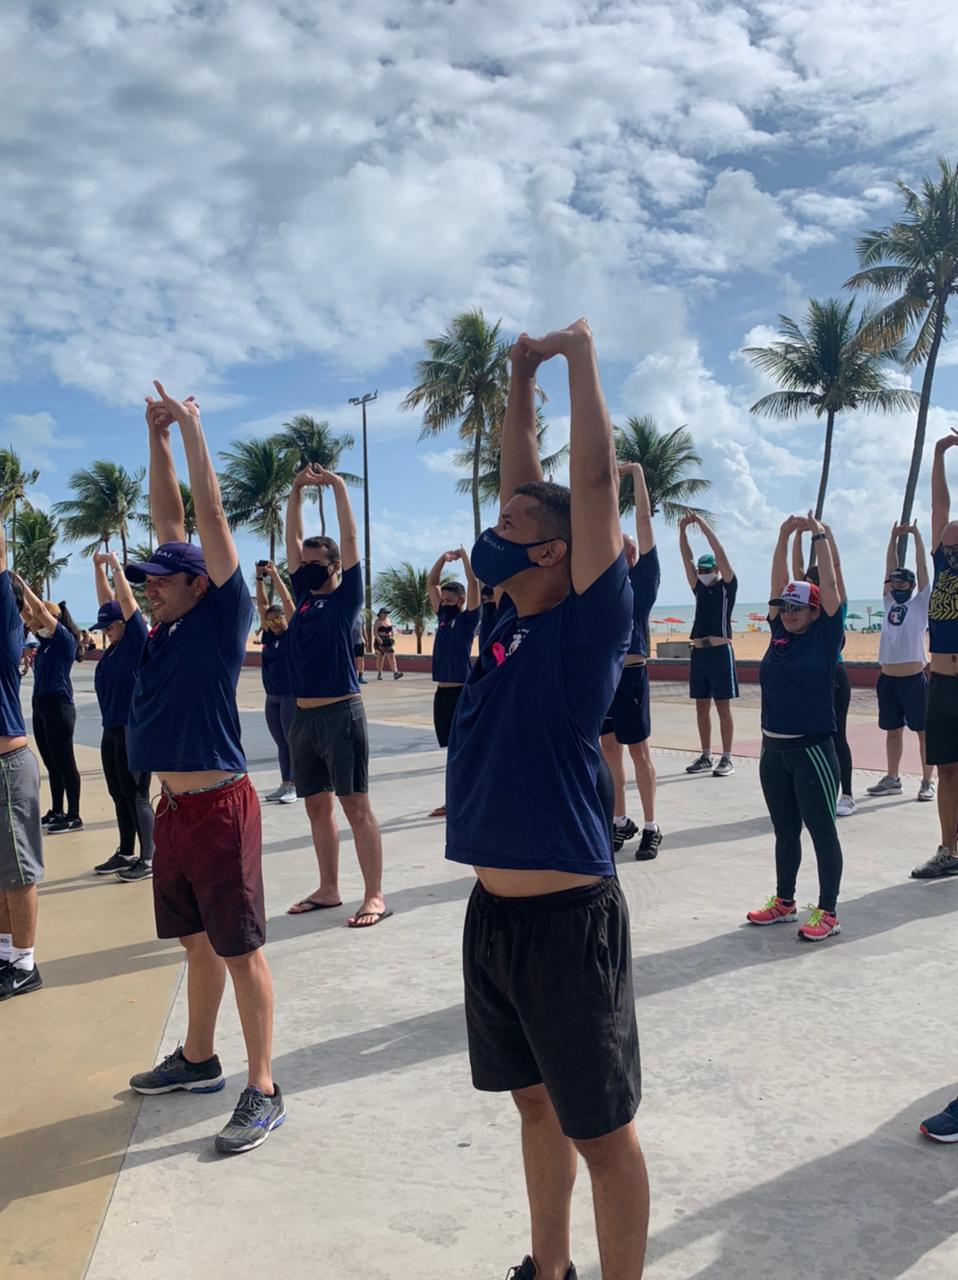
pixel 707 579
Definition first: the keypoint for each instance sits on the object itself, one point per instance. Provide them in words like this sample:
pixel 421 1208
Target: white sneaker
pixel 846 807
pixel 927 790
pixel 288 796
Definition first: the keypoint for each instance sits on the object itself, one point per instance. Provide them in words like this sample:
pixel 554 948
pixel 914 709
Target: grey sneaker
pixel 724 767
pixel 944 863
pixel 888 786
pixel 272 796
pixel 289 796
pixel 174 1072
pixel 703 764
pixel 927 789
pixel 137 870
pixel 255 1117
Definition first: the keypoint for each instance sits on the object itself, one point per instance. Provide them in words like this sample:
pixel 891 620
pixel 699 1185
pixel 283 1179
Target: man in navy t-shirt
pixel 328 742
pixel 457 617
pixel 184 727
pixel 629 721
pixel 550 1009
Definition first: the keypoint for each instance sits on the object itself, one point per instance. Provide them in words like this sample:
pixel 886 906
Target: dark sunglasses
pixel 791 608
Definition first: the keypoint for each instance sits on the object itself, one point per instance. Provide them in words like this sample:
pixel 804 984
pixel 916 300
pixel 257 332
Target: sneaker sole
pixel 67 831
pixel 208 1086
pixel 250 1146
pixel 724 773
pixel 878 794
pixel 934 1137
pixel 760 924
pixel 114 871
pixel 934 875
pixel 823 937
pixel 925 799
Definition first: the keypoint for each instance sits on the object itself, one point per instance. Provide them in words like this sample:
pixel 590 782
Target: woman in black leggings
pixel 799 766
pixel 274 620
pixel 115 676
pixel 54 715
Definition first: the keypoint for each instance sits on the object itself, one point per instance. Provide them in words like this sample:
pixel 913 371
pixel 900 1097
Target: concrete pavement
pixel 783 1083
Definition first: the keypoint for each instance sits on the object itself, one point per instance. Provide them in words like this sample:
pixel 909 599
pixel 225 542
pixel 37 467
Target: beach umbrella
pixel 856 616
pixel 756 617
pixel 671 622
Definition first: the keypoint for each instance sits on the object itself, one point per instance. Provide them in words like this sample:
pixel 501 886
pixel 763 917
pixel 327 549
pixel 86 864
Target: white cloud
pixel 442 462
pixel 384 417
pixel 36 438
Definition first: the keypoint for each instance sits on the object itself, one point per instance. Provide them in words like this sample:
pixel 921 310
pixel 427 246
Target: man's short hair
pixel 553 508
pixel 322 543
pixel 456 587
pixel 274 608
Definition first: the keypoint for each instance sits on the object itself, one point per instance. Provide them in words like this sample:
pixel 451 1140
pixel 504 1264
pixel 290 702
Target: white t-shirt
pixel 903 629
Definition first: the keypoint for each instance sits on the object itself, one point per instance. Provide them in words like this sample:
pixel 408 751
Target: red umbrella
pixel 756 617
pixel 672 622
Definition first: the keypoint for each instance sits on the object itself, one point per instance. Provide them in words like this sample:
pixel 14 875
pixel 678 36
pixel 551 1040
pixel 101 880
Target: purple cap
pixel 107 615
pixel 172 557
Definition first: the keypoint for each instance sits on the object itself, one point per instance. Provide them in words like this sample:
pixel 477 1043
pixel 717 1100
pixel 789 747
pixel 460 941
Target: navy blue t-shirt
pixel 183 717
pixel 798 677
pixel 115 674
pixel 488 612
pixel 524 750
pixel 943 607
pixel 56 655
pixel 11 650
pixel 276 663
pixel 455 631
pixel 321 638
pixel 645 576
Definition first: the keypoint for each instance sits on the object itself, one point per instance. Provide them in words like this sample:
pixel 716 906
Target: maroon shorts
pixel 208 868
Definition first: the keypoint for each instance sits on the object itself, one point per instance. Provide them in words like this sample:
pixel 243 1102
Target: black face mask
pixel 901 595
pixel 316 574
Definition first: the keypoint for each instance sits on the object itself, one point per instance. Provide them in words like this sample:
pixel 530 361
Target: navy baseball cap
pixel 172 557
pixel 107 615
pixel 902 575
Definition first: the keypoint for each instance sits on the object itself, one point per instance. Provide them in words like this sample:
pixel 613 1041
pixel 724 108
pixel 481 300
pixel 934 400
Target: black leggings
pixel 800 784
pixel 54 720
pixel 279 716
pixel 843 697
pixel 130 793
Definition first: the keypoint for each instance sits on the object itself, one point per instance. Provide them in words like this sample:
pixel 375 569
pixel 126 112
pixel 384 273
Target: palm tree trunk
pixel 272 546
pixel 477 446
pixel 322 512
pixel 123 541
pixel 823 482
pixel 419 631
pixel 919 446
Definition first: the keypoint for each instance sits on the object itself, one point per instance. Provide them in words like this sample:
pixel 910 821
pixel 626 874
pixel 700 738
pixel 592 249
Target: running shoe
pixel 527 1270
pixel 648 845
pixel 64 824
pixel 398 675
pixel 380 676
pixel 174 1072
pixel 819 925
pixel 256 1116
pixel 724 767
pixel 277 794
pixel 118 862
pixel 18 982
pixel 361 679
pixel 888 786
pixel 927 789
pixel 944 863
pixel 846 807
pixel 775 911
pixel 704 764
pixel 138 870
pixel 51 815
pixel 289 796
pixel 620 834
pixel 944 1126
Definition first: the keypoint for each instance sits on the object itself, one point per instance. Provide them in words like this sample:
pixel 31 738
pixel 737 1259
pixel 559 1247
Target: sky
pixel 271 206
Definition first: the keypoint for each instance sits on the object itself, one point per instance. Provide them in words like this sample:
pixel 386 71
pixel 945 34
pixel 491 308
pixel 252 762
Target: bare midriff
pixel 199 780
pixel 901 669
pixel 529 884
pixel 944 664
pixel 710 642
pixel 310 704
pixel 448 684
pixel 634 660
pixel 8 744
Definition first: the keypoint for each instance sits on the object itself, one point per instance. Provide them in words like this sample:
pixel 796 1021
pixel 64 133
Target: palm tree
pixel 666 458
pixel 403 591
pixel 490 482
pixel 306 440
pixel 37 534
pixel 106 498
pixel 914 260
pixel 464 379
pixel 255 485
pixel 13 486
pixel 827 368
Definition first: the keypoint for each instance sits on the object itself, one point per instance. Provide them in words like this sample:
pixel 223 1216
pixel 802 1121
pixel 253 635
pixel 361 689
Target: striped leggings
pixel 800 779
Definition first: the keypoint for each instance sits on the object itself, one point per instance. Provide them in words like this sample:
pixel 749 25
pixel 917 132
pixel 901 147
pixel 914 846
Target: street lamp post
pixel 363 401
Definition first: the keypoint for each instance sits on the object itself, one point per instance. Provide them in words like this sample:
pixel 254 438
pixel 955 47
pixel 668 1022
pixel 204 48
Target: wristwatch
pixel 817 536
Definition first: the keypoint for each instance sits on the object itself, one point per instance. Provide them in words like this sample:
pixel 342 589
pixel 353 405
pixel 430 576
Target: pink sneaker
pixel 819 926
pixel 775 911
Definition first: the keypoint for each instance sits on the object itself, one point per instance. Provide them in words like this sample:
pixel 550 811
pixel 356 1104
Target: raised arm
pixel 921 557
pixel 104 592
pixel 166 501
pixel 434 577
pixel 473 590
pixel 891 552
pixel 940 497
pixel 3 545
pixel 780 576
pixel 216 538
pixel 798 558
pixel 836 563
pixel 685 550
pixel 285 599
pixel 828 587
pixel 348 535
pixel 519 449
pixel 262 603
pixel 294 518
pixel 721 559
pixel 124 592
pixel 644 533
pixel 40 615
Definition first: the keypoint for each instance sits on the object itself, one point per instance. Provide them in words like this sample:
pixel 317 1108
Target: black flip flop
pixel 377 917
pixel 313 906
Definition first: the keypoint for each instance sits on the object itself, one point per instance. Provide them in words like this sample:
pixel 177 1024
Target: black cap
pixel 902 575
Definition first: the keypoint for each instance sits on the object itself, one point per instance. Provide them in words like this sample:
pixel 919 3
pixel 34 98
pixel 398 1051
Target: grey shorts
pixel 21 836
pixel 329 748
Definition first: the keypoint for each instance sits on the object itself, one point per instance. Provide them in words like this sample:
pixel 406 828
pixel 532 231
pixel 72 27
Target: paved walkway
pixel 783 1083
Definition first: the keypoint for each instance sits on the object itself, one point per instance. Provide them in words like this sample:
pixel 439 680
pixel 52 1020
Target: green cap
pixel 706 562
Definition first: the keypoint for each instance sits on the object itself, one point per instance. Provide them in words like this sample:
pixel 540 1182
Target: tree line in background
pixel 837 360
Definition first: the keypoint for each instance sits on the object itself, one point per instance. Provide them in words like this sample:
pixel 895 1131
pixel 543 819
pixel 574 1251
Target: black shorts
pixel 630 717
pixel 443 711
pixel 359 649
pixel 712 673
pixel 329 748
pixel 941 720
pixel 549 1000
pixel 902 701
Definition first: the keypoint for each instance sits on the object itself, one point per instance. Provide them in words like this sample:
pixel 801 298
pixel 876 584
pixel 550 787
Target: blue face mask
pixel 901 596
pixel 494 559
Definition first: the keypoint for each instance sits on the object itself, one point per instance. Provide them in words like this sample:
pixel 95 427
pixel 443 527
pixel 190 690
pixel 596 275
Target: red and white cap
pixel 804 593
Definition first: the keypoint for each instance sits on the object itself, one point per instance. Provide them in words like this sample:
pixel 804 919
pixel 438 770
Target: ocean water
pixel 740 619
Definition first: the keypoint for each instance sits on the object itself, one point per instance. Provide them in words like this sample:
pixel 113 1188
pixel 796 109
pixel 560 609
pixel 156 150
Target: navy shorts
pixel 712 673
pixel 903 701
pixel 629 717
